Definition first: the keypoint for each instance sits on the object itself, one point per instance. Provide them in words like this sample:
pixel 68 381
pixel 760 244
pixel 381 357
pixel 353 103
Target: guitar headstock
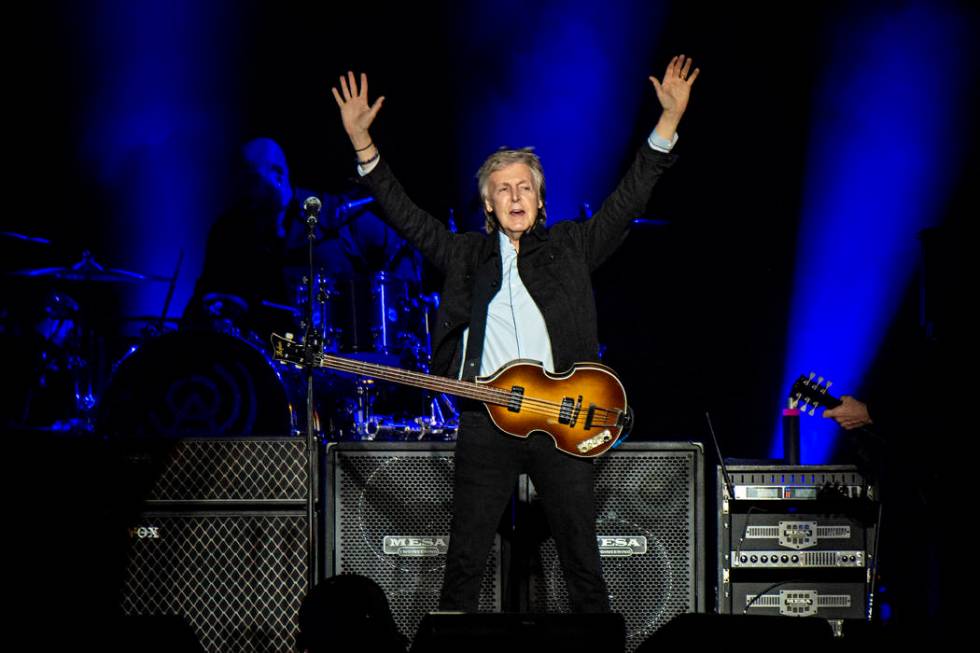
pixel 812 392
pixel 287 350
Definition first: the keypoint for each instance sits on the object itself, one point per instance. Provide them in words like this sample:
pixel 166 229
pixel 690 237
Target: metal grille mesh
pixel 762 532
pixel 247 470
pixel 403 493
pixel 238 579
pixel 648 494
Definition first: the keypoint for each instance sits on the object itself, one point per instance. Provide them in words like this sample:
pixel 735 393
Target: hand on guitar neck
pixel 847 411
pixel 851 414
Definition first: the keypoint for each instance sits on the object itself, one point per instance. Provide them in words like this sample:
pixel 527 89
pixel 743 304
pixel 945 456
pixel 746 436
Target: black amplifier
pixel 846 600
pixel 796 541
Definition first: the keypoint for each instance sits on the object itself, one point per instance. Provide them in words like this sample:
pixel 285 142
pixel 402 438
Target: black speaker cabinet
pixel 650 525
pixel 388 512
pixel 238 577
pixel 221 538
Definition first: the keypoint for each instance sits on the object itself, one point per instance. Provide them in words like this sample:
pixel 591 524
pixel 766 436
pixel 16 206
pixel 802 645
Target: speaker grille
pixel 399 491
pixel 241 470
pixel 641 492
pixel 238 577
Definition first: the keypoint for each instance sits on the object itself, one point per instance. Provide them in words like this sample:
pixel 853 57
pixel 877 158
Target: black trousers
pixel 488 463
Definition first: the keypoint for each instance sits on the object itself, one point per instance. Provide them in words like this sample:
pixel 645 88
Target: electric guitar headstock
pixel 288 350
pixel 812 392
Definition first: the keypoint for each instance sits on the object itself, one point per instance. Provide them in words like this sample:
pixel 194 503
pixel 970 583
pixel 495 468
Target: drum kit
pixel 53 340
pixel 221 380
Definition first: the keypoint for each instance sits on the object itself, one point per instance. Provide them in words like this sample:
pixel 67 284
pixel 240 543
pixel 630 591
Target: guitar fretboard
pixel 468 389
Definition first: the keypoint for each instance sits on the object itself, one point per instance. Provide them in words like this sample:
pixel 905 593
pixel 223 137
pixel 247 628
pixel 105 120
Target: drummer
pixel 257 252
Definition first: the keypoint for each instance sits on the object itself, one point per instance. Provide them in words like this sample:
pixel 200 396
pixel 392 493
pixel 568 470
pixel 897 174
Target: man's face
pixel 513 199
pixel 267 175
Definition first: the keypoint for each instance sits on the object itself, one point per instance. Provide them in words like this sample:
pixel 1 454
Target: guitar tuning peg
pixel 819 380
pixel 290 337
pixel 812 411
pixel 812 374
pixel 829 383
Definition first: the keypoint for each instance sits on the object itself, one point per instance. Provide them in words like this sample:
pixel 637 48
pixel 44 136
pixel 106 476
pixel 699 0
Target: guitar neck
pixel 468 389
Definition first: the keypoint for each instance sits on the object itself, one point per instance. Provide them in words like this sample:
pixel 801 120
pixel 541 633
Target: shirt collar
pixel 507 250
pixel 538 232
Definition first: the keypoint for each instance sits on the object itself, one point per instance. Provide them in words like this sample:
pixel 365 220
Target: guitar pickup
pixel 516 399
pixel 566 410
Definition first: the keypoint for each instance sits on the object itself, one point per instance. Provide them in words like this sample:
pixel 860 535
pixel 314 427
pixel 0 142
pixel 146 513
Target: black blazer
pixel 555 265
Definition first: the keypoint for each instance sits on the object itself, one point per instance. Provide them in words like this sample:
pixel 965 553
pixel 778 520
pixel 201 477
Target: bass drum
pixel 191 384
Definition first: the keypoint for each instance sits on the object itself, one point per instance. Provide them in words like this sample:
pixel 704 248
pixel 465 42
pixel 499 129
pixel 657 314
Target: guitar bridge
pixel 589 416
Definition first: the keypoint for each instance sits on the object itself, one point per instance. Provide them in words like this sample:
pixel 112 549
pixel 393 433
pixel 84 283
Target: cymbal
pixel 13 235
pixel 88 270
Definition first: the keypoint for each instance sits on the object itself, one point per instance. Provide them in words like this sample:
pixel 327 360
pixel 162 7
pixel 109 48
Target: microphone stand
pixel 312 347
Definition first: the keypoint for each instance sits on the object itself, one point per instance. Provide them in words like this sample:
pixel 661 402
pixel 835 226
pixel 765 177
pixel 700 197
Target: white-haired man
pixel 522 290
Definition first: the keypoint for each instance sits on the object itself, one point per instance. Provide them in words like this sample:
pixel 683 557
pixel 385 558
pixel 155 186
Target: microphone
pixel 353 204
pixel 311 209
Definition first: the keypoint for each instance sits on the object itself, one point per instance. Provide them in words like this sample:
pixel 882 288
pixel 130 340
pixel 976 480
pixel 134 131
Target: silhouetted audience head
pixel 348 610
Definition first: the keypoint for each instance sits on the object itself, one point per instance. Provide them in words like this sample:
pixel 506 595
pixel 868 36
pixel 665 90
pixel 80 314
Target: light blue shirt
pixel 515 326
pixel 660 143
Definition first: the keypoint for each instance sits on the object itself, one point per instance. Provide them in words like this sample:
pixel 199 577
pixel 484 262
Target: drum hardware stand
pixel 58 330
pixel 172 286
pixel 364 411
pixel 438 406
pixel 312 346
pixel 86 350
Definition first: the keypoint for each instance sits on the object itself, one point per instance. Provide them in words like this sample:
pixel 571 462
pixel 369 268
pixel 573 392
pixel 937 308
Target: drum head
pixel 195 385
